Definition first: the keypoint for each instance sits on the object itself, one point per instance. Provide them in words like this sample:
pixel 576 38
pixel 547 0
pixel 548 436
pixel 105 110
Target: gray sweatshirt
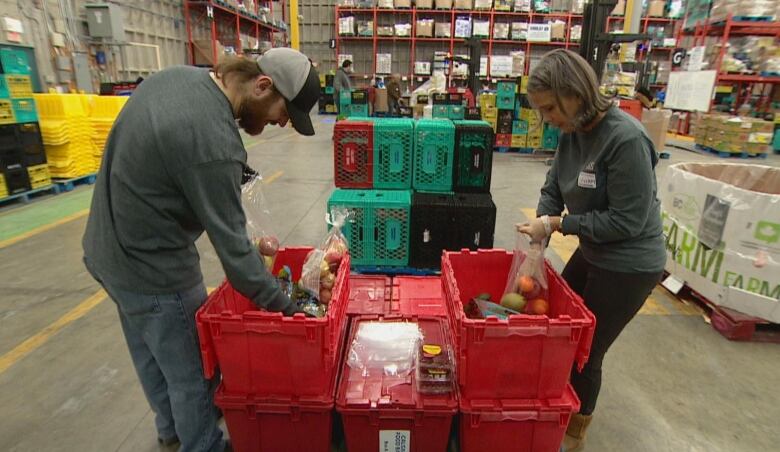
pixel 606 179
pixel 341 81
pixel 172 168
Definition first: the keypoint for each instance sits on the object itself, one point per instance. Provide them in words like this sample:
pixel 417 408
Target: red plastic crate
pixel 373 412
pixel 369 294
pixel 419 295
pixel 353 154
pixel 503 140
pixel 525 356
pixel 266 354
pixel 516 425
pixel 273 426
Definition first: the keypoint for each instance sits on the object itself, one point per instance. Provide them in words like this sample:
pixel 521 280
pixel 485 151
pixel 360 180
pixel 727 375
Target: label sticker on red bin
pixel 394 441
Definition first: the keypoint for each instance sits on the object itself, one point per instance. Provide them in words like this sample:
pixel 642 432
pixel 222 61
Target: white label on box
pixel 539 32
pixel 394 441
pixel 696 58
pixel 673 284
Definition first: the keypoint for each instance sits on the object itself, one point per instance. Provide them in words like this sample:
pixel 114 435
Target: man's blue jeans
pixel 163 341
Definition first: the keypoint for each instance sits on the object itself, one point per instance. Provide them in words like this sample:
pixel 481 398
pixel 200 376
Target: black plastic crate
pixel 504 128
pixel 29 134
pixel 506 117
pixel 455 98
pixel 432 228
pixel 475 217
pixel 17 180
pixel 441 99
pixel 11 158
pixel 422 99
pixel 329 80
pixel 9 136
pixel 405 112
pixel 473 164
pixel 473 113
pixel 360 97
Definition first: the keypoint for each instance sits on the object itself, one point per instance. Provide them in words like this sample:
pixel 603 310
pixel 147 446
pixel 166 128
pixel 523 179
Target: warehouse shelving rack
pixel 449 44
pixel 212 14
pixel 725 30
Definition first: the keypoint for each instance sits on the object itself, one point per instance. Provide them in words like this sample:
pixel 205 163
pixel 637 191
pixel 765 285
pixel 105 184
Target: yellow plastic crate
pixel 3 187
pixel 39 176
pixel 6 113
pixel 108 107
pixel 60 106
pixel 15 85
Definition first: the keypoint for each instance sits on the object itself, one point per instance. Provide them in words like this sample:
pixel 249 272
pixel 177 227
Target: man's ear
pixel 263 83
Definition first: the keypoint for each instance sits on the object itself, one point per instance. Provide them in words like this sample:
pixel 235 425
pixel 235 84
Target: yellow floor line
pixel 653 307
pixel 36 341
pixel 43 228
pixel 273 177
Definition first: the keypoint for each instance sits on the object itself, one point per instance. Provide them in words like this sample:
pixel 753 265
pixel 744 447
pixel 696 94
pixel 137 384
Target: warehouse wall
pixel 317 28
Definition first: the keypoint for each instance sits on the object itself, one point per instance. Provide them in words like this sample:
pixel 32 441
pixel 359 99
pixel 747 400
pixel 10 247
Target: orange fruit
pixel 525 283
pixel 538 306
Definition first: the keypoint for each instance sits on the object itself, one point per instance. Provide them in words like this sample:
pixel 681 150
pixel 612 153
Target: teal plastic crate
pixel 24 110
pixel 329 90
pixel 393 148
pixel 13 61
pixel 550 137
pixel 506 88
pixel 505 101
pixel 473 156
pixel 434 144
pixel 776 141
pixel 441 111
pixel 359 242
pixel 345 99
pixel 519 127
pixel 378 231
pixel 358 110
pixel 456 112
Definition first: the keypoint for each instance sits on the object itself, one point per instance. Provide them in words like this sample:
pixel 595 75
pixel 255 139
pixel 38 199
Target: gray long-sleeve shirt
pixel 606 179
pixel 172 168
pixel 341 81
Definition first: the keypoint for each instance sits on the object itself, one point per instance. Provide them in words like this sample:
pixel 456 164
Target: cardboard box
pixel 444 29
pixel 463 4
pixel 423 4
pixel 424 28
pixel 656 8
pixel 443 4
pixel 380 100
pixel 557 30
pixel 656 124
pixel 620 8
pixel 722 228
pixel 403 3
pixel 483 4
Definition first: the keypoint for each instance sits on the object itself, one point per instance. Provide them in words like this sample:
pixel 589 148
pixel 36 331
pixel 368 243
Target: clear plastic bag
pixel 387 347
pixel 321 265
pixel 258 218
pixel 526 286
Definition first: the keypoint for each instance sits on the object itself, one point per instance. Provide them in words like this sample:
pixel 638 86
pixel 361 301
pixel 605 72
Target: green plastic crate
pixel 24 110
pixel 473 156
pixel 776 141
pixel 393 148
pixel 378 231
pixel 390 218
pixel 519 127
pixel 358 110
pixel 456 112
pixel 505 101
pixel 441 111
pixel 345 100
pixel 360 243
pixel 13 61
pixel 329 90
pixel 434 144
pixel 506 88
pixel 550 137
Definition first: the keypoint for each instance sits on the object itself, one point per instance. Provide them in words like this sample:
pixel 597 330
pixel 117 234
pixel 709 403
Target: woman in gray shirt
pixel 604 176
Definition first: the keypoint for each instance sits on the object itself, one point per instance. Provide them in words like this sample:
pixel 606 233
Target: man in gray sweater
pixel 172 169
pixel 341 81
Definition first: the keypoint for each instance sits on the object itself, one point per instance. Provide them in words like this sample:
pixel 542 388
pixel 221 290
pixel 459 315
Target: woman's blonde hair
pixel 566 74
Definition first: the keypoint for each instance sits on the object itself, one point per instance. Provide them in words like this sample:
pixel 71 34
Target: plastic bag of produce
pixel 258 217
pixel 322 264
pixel 526 285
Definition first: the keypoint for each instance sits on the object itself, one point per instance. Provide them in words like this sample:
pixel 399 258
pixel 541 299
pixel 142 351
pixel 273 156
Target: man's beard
pixel 248 119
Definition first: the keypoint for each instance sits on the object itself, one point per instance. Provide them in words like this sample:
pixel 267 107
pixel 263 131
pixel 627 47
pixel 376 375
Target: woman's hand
pixel 534 229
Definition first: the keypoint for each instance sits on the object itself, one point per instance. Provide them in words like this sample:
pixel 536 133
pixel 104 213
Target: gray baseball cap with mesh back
pixel 297 81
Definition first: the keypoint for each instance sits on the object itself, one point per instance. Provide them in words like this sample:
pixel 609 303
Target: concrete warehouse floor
pixel 671 382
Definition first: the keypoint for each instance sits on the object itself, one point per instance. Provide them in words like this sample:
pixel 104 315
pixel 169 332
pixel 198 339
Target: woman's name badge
pixel 586 180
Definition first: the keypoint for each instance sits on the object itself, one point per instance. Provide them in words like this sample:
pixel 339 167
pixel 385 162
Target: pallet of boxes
pixel 730 136
pixel 415 188
pixel 24 166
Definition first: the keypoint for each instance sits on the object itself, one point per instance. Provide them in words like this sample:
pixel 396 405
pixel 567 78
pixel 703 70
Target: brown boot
pixel 575 433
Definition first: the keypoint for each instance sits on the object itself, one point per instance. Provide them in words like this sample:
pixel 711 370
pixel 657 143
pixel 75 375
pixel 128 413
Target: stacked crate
pixel 516 125
pixel 67 135
pixel 414 188
pixel 327 102
pixel 102 114
pixel 21 151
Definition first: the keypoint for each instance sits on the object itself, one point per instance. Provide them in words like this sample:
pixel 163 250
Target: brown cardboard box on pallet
pixel 403 3
pixel 423 4
pixel 464 4
pixel 656 8
pixel 424 28
pixel 380 100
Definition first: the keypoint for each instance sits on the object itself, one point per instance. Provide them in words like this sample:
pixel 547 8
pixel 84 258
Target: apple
pixel 538 306
pixel 513 301
pixel 324 269
pixel 337 245
pixel 268 245
pixel 333 258
pixel 328 281
pixel 269 262
pixel 325 296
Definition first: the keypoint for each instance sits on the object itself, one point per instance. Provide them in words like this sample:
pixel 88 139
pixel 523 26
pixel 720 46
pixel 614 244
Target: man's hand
pixel 534 229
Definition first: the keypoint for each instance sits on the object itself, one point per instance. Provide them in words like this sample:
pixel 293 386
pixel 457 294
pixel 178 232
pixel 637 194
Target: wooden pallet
pixel 723 154
pixel 731 324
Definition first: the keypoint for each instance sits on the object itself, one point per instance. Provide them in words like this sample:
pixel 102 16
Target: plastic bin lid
pixel 419 295
pixel 380 392
pixel 369 294
pixel 226 400
pixel 505 408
